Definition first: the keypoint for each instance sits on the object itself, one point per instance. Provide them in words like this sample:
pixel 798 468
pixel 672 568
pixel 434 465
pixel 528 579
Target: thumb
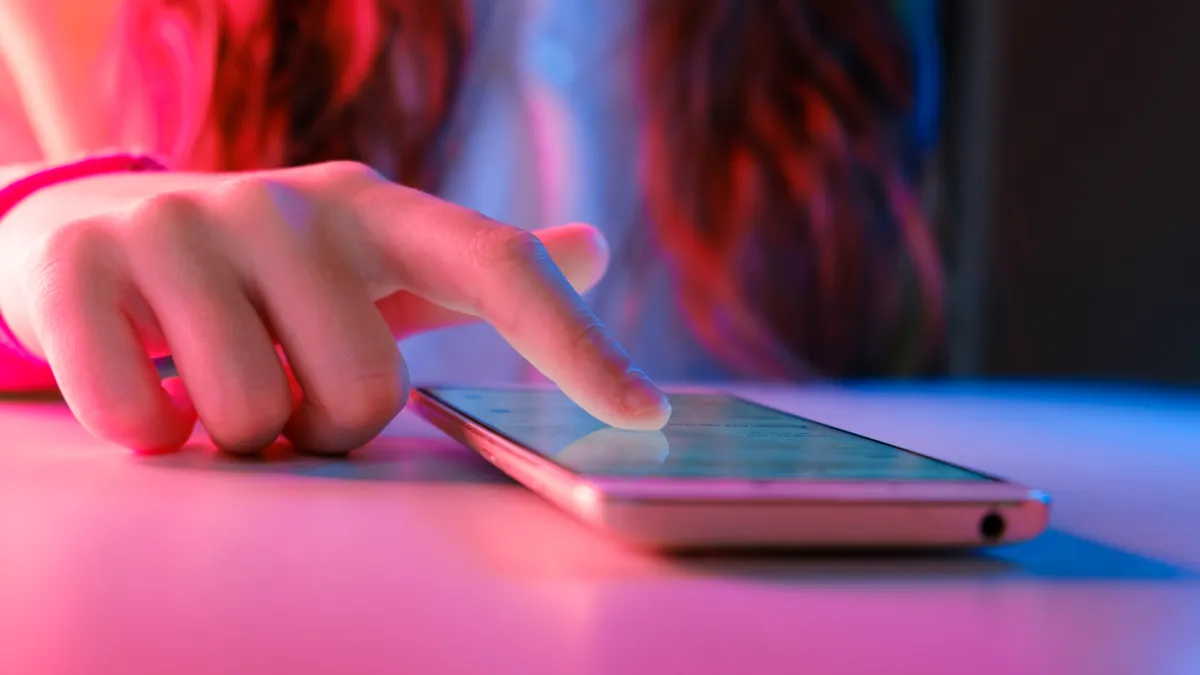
pixel 580 251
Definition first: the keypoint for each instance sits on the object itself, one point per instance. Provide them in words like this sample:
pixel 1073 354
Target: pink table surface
pixel 416 557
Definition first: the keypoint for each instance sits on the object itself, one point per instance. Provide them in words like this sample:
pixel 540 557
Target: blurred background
pixel 1063 186
pixel 1067 184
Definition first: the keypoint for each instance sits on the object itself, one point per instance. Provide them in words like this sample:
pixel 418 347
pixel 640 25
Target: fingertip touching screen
pixel 709 436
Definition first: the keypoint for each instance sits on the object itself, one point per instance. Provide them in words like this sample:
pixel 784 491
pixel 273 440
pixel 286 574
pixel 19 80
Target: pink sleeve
pixel 19 369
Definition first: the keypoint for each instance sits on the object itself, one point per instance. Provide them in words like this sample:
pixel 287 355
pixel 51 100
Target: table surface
pixel 416 556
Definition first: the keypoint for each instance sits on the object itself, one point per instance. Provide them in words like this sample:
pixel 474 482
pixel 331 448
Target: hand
pixel 329 264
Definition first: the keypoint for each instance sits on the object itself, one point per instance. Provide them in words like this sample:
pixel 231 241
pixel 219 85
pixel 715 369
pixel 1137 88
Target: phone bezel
pixel 996 491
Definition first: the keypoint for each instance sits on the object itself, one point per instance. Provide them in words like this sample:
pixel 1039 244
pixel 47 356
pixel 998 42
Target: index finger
pixel 464 261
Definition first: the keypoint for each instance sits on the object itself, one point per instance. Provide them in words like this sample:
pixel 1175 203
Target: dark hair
pixel 773 147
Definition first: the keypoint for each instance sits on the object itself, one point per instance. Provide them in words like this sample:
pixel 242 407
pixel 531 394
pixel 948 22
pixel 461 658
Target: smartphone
pixel 726 472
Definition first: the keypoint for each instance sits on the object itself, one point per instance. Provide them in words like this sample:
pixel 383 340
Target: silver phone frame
pixel 683 513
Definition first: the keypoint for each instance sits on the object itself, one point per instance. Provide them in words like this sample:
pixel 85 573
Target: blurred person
pixel 750 167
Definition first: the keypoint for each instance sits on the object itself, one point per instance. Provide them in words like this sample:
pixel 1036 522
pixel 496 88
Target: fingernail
pixel 641 396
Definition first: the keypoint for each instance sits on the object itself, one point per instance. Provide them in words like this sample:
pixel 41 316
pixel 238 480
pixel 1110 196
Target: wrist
pixel 58 194
pixel 34 203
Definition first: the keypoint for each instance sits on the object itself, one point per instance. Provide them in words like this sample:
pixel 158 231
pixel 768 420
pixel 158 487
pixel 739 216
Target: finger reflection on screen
pixel 616 451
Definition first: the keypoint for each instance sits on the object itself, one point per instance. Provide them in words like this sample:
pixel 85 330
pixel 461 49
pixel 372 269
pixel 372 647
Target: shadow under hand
pixel 413 453
pixel 387 458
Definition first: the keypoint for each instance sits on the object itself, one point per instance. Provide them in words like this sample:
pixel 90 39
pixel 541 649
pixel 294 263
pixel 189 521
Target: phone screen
pixel 709 437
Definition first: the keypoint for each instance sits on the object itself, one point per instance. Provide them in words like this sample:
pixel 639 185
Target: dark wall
pixel 1094 239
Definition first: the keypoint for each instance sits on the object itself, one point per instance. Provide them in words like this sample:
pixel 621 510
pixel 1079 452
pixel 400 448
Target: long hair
pixel 773 148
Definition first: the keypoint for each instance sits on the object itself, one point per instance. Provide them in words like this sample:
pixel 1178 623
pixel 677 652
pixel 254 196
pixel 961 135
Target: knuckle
pixel 73 242
pixel 256 196
pixel 344 171
pixel 253 188
pixel 505 245
pixel 591 336
pixel 260 205
pixel 170 221
pixel 167 208
pixel 65 263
